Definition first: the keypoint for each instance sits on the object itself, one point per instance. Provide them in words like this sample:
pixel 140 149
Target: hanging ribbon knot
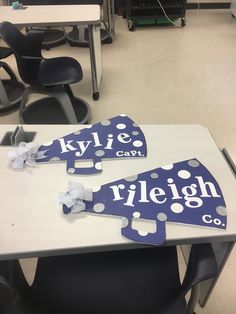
pixel 24 154
pixel 75 196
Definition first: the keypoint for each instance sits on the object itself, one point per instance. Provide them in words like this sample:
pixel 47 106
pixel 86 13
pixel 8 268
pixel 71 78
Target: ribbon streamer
pixel 75 196
pixel 24 154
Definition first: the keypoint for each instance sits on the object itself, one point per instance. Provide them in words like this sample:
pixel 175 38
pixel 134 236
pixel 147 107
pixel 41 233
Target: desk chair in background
pixel 45 76
pixel 52 36
pixel 11 90
pixel 134 281
pixel 79 36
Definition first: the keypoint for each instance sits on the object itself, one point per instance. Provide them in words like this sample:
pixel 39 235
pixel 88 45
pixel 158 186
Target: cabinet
pixel 154 12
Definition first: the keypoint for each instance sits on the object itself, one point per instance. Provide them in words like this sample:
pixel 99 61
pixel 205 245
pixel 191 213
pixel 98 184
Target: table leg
pixel 222 251
pixel 6 2
pixel 95 58
pixel 110 7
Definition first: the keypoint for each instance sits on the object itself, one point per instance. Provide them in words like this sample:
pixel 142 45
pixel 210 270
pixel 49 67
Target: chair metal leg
pixel 74 103
pixel 69 92
pixel 23 103
pixel 3 96
pixel 11 90
pixel 4 101
pixel 195 292
pixel 9 71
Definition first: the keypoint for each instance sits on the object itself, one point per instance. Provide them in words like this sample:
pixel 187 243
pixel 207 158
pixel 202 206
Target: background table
pixel 31 220
pixel 65 15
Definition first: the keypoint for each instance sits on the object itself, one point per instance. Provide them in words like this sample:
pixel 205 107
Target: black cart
pixel 142 13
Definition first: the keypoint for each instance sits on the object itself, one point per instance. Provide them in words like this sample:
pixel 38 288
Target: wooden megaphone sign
pixel 118 137
pixel 184 193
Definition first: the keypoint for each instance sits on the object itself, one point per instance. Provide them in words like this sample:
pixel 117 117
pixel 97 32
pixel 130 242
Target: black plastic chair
pixel 134 281
pixel 45 76
pixel 11 90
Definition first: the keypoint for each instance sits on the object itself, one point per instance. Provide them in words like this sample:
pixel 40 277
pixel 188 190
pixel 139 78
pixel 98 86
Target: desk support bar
pixel 222 251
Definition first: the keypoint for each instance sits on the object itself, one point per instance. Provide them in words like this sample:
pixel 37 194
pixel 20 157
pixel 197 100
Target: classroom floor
pixel 171 76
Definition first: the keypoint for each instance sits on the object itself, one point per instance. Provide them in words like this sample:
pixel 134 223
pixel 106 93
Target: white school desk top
pixel 39 15
pixel 31 220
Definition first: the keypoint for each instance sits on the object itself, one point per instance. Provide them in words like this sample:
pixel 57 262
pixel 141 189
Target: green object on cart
pixel 153 21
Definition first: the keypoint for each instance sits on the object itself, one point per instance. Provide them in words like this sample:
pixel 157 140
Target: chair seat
pixel 119 282
pixel 57 71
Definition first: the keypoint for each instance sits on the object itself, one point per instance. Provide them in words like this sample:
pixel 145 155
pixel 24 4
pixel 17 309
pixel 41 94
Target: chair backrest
pixel 15 293
pixel 27 50
pixel 11 272
pixel 131 281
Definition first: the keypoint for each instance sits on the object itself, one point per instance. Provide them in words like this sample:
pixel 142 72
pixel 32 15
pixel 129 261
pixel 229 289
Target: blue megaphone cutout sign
pixel 118 137
pixel 184 192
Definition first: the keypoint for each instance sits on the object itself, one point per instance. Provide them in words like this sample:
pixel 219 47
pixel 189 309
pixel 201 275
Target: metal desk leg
pixel 113 17
pixel 95 57
pixel 110 20
pixel 222 251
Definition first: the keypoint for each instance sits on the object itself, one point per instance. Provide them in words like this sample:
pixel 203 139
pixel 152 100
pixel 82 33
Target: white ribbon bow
pixel 75 196
pixel 24 154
